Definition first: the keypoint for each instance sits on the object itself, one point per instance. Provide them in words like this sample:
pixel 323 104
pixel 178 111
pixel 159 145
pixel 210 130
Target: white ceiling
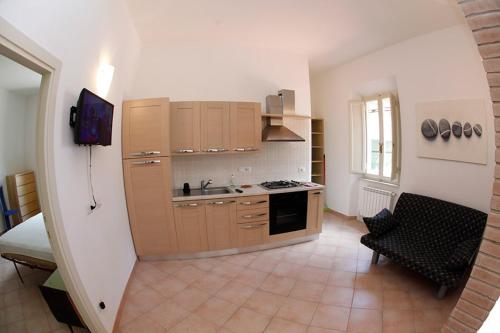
pixel 328 32
pixel 17 78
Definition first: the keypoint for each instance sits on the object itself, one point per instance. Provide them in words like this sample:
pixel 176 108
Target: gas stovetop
pixel 274 185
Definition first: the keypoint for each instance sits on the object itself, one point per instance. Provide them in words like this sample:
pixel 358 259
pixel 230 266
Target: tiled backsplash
pixel 275 161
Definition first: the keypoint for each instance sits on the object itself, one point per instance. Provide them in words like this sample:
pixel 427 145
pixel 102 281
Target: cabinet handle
pixel 147 162
pixel 215 150
pixel 249 203
pixel 253 226
pixel 145 153
pixel 184 151
pixel 245 149
pixel 188 205
pixel 218 203
pixel 316 193
pixel 250 216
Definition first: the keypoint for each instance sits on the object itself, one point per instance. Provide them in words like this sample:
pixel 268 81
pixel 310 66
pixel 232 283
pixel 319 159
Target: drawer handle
pixel 253 226
pixel 218 203
pixel 188 205
pixel 147 162
pixel 249 203
pixel 245 149
pixel 316 193
pixel 250 216
pixel 145 153
pixel 215 150
pixel 184 151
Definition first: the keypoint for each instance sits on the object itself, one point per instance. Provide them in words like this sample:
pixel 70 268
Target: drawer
pixel 252 215
pixel 257 201
pixel 255 233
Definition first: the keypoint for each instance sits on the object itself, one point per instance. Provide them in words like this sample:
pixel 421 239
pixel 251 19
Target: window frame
pixel 396 139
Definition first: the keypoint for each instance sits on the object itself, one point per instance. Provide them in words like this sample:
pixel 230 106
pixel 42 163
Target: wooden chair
pixel 5 211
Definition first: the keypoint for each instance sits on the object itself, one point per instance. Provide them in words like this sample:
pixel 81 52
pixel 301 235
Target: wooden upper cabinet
pixel 147 186
pixel 246 126
pixel 191 226
pixel 315 204
pixel 184 127
pixel 221 223
pixel 215 127
pixel 145 128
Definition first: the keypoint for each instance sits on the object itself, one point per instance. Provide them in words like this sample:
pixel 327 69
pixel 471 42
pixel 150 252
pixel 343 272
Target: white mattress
pixel 28 238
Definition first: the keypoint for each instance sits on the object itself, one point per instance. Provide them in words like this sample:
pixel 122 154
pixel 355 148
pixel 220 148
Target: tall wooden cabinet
pixel 315 204
pixel 148 190
pixel 185 127
pixel 147 175
pixel 145 128
pixel 246 126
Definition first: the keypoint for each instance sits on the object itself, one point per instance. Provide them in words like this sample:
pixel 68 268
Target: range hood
pixel 279 105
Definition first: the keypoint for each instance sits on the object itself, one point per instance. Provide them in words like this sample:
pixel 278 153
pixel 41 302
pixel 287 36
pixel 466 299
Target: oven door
pixel 287 212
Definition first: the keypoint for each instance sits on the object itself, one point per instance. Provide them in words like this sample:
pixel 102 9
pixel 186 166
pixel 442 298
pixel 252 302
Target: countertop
pixel 254 190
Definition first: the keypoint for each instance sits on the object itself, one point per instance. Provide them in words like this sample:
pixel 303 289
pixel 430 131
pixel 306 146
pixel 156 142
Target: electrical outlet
pixel 246 169
pixel 302 169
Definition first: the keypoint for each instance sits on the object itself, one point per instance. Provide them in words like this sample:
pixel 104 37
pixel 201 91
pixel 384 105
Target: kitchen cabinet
pixel 145 128
pixel 254 233
pixel 315 204
pixel 147 187
pixel 246 126
pixel 215 127
pixel 191 226
pixel 221 223
pixel 185 128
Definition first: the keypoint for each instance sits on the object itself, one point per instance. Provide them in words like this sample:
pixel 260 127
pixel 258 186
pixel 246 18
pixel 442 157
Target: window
pixel 375 137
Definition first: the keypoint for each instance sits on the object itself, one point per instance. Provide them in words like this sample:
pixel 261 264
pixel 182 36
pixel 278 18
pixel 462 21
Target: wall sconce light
pixel 104 78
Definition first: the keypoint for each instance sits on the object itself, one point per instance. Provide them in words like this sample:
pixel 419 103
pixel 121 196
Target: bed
pixel 27 243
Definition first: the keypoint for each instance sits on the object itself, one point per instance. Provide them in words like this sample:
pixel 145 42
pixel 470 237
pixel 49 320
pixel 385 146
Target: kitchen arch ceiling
pixel 327 32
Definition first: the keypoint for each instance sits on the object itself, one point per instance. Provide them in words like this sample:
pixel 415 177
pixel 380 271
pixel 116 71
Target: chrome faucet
pixel 204 185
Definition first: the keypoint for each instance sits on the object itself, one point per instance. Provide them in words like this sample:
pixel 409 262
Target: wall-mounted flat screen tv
pixel 92 120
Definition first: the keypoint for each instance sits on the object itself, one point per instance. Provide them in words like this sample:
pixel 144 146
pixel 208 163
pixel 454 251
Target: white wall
pixel 444 65
pixel 218 72
pixel 17 113
pixel 82 34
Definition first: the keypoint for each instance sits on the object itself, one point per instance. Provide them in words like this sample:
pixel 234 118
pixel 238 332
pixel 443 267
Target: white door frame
pixel 21 49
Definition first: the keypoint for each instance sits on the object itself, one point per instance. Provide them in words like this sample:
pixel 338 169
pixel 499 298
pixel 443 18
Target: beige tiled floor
pixel 324 286
pixel 22 308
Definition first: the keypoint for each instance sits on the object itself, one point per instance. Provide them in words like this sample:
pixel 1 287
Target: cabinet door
pixel 147 186
pixel 145 128
pixel 215 127
pixel 184 127
pixel 221 224
pixel 254 233
pixel 191 226
pixel 246 126
pixel 315 203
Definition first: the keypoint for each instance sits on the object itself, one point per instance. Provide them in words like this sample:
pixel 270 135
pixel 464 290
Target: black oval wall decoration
pixel 478 130
pixel 429 129
pixel 444 129
pixel 456 129
pixel 467 130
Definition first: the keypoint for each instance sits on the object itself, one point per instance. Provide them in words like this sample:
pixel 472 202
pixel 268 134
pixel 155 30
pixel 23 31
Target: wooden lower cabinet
pixel 221 224
pixel 147 186
pixel 254 233
pixel 315 204
pixel 191 226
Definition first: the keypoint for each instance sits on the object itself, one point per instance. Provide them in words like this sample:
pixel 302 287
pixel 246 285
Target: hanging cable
pixel 93 204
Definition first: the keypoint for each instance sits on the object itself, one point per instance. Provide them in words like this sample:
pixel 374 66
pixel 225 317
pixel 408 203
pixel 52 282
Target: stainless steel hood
pixel 279 105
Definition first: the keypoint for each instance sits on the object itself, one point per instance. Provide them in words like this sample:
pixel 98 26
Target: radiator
pixel 372 200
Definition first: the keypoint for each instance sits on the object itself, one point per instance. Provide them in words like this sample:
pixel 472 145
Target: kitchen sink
pixel 199 191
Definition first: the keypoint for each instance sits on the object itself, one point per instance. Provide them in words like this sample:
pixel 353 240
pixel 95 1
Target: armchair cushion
pixel 381 223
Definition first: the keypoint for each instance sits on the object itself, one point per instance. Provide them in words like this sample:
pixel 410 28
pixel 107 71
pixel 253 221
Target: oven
pixel 287 212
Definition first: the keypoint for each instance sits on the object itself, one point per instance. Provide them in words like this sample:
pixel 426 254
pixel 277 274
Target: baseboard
pixel 125 292
pixel 339 214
